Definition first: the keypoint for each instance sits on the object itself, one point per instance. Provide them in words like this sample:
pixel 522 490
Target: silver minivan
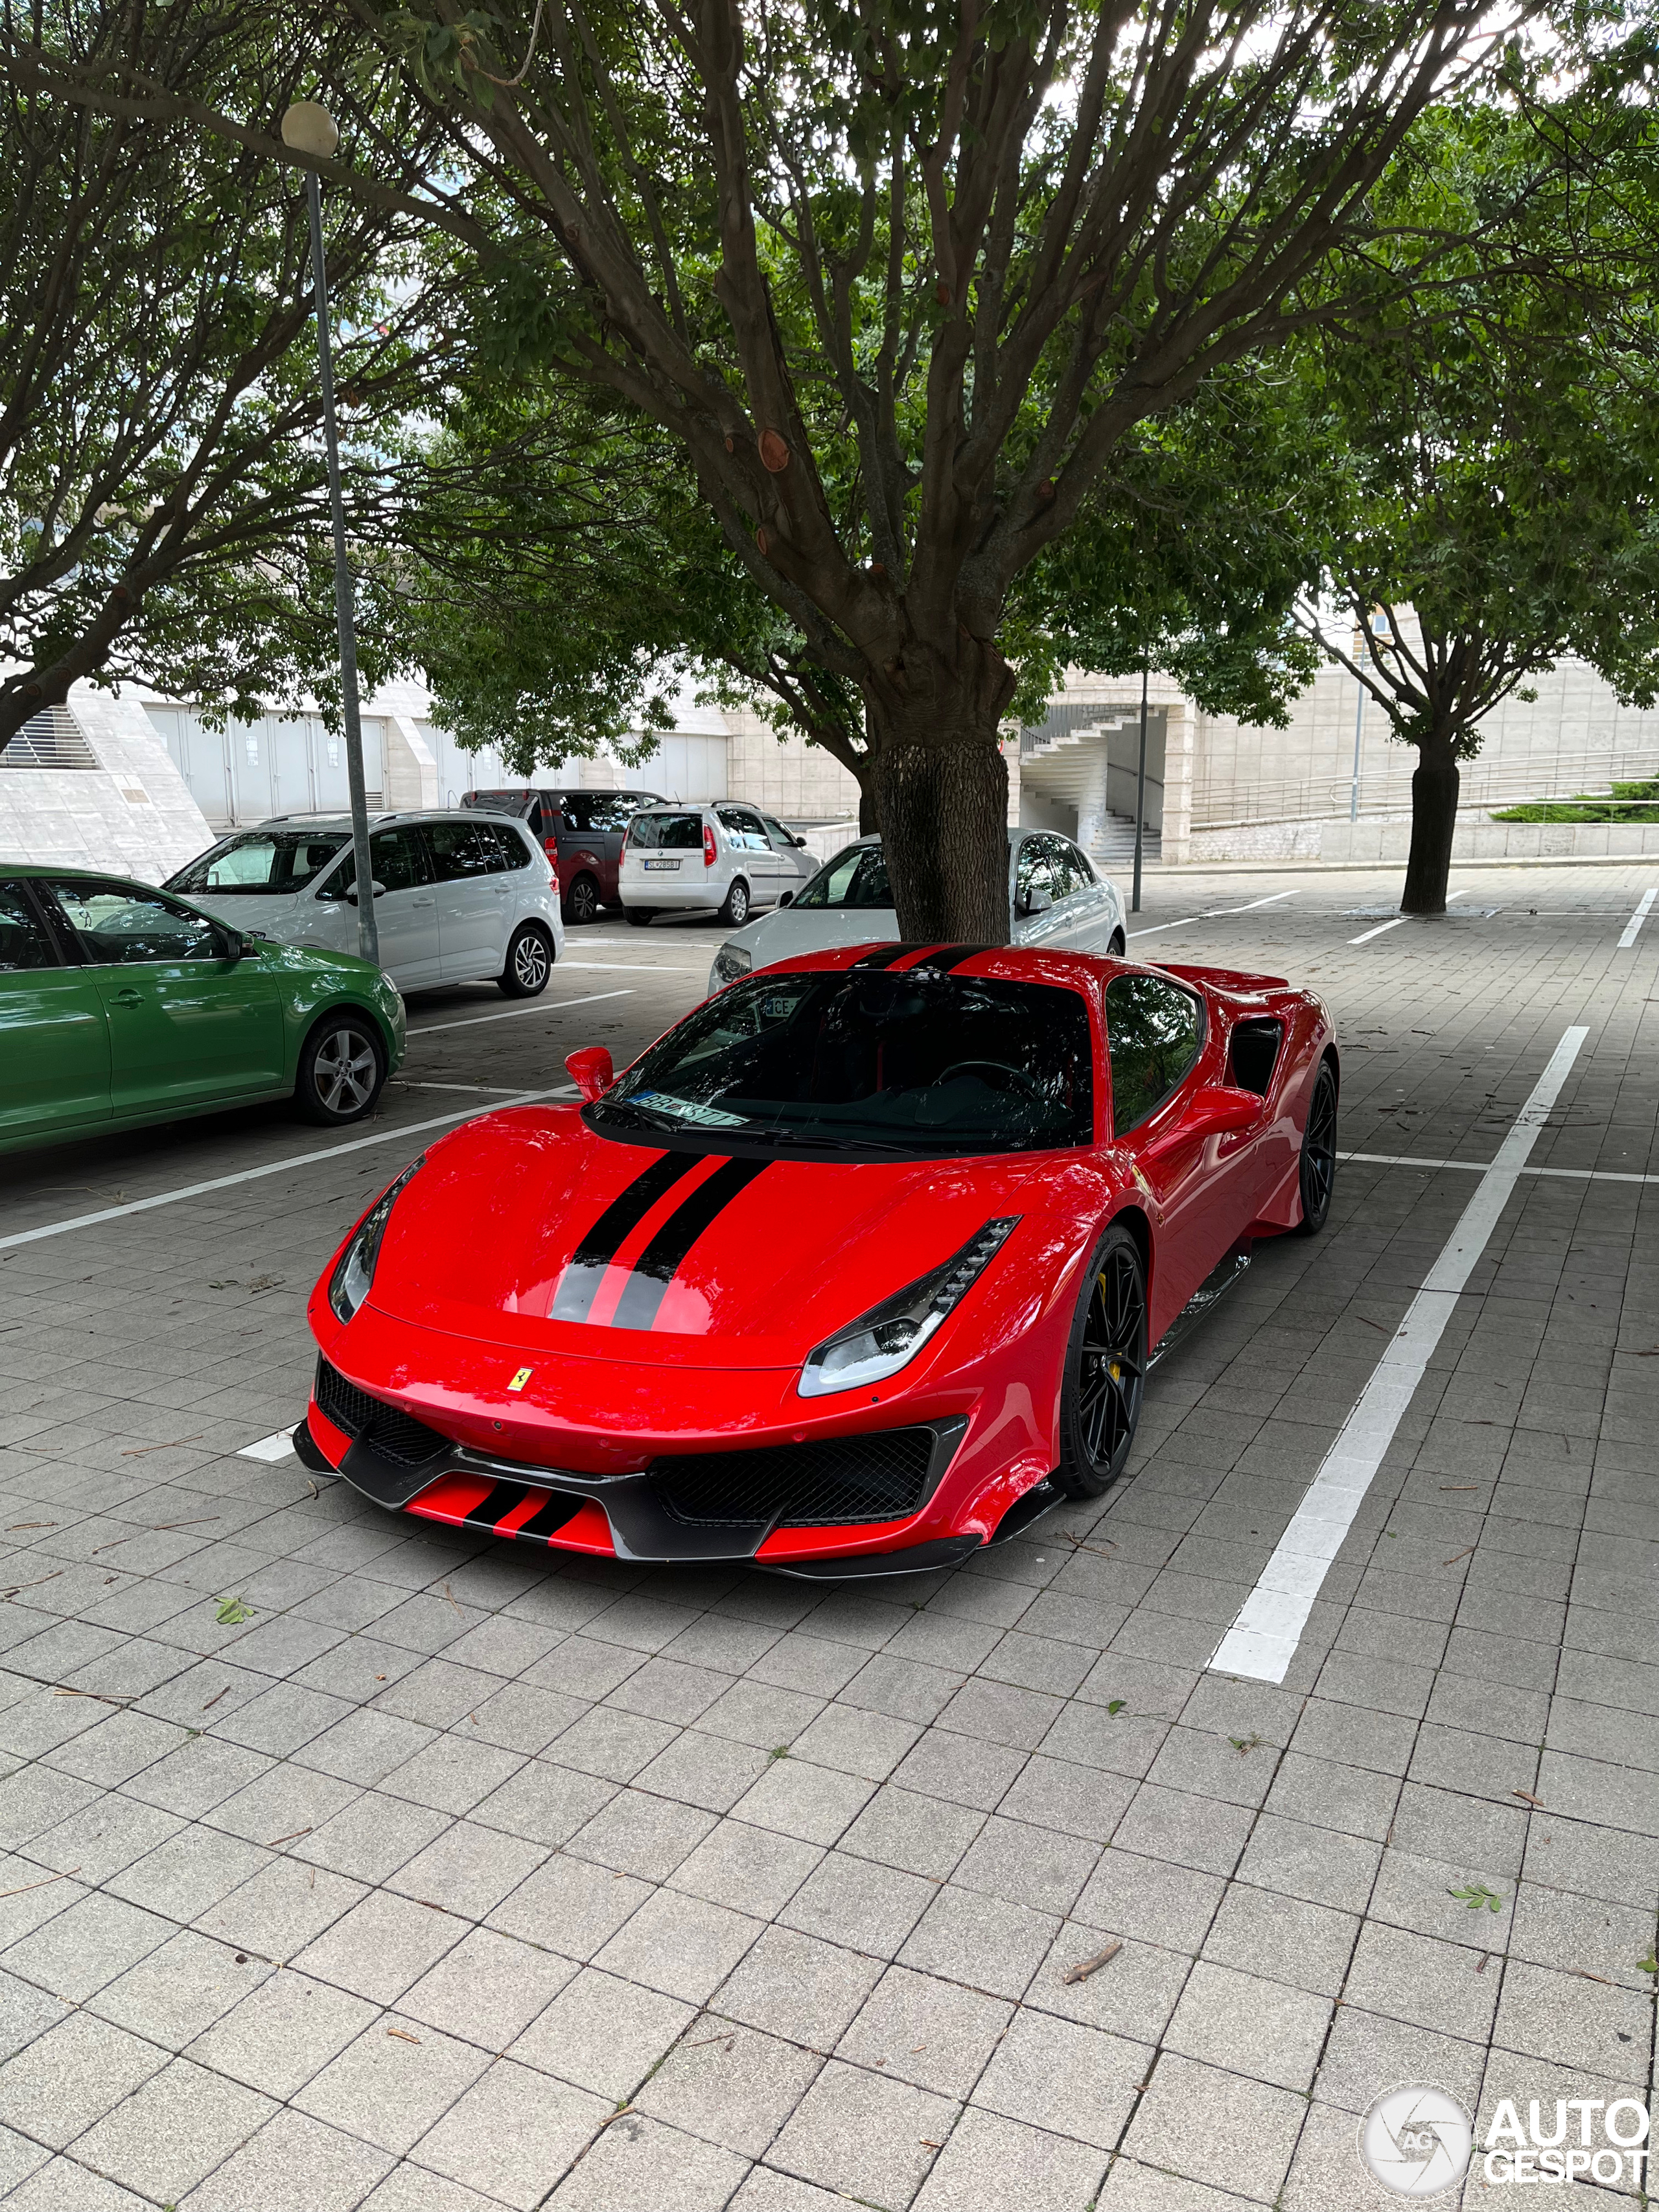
pixel 726 857
pixel 458 899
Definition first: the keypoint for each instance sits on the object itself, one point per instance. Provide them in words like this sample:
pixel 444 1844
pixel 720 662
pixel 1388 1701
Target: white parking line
pixel 631 967
pixel 1213 914
pixel 1633 927
pixel 270 1448
pixel 431 1029
pixel 1366 935
pixel 254 1175
pixel 1262 1641
pixel 1480 1167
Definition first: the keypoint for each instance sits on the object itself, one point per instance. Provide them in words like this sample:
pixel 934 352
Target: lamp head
pixel 308 128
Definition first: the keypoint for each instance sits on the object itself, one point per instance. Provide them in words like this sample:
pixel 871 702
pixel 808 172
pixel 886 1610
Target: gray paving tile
pixel 602 2033
pixel 729 2084
pixel 67 2078
pixel 512 2135
pixel 293 2163
pixel 798 1987
pixel 867 2136
pixel 173 2131
pixel 933 2033
pixel 995 2164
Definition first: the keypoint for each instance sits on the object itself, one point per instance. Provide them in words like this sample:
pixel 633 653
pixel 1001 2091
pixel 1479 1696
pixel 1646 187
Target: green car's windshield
pixel 261 863
pixel 920 1062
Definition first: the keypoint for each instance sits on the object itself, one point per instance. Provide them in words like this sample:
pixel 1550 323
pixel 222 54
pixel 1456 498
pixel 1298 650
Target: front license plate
pixel 662 863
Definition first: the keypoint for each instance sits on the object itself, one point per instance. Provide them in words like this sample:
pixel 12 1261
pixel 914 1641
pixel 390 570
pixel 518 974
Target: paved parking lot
pixel 343 1864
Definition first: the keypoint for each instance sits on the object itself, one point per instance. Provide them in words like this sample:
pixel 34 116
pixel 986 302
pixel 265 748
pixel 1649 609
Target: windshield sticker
pixel 688 1110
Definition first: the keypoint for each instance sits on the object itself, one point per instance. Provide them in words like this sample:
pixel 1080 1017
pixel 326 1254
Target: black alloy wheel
pixel 582 904
pixel 529 963
pixel 735 912
pixel 1319 1153
pixel 640 916
pixel 1119 946
pixel 1105 1370
pixel 341 1067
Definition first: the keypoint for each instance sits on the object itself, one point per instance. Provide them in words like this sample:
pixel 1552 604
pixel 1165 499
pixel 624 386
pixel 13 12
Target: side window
pixel 515 853
pixel 462 851
pixel 578 810
pixel 1075 865
pixel 397 857
pixel 1035 873
pixel 24 941
pixel 1153 1033
pixel 779 835
pixel 754 834
pixel 121 925
pixel 610 813
pixel 731 820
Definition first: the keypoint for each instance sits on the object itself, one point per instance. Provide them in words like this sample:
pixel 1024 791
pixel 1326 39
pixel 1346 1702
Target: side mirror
pixel 591 1071
pixel 1034 902
pixel 232 944
pixel 799 843
pixel 1218 1110
pixel 786 898
pixel 377 889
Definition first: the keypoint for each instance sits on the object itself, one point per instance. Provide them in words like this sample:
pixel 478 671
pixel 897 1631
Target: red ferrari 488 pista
pixel 859 1267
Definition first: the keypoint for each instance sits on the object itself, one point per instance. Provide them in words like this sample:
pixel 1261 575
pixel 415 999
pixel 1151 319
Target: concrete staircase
pixel 1115 851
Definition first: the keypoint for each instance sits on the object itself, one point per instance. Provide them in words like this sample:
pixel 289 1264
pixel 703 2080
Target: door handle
pixel 424 902
pixel 128 998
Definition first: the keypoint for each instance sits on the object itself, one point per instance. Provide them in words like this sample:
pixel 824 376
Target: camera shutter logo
pixel 1416 2139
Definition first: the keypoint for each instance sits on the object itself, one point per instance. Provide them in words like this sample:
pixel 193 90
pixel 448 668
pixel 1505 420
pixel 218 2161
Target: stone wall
pixel 131 814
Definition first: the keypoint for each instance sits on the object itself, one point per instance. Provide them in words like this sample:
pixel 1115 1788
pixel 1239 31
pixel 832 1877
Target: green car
pixel 120 1005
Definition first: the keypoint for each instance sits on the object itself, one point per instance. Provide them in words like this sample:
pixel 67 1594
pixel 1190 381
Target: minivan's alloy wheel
pixel 529 963
pixel 341 1067
pixel 735 912
pixel 1105 1370
pixel 582 905
pixel 1319 1153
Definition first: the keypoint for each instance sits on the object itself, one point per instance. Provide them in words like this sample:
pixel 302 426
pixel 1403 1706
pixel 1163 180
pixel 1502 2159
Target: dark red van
pixel 581 834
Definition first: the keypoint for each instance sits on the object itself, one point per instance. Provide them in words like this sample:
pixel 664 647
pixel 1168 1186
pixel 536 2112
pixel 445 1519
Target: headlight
pixel 890 1335
pixel 730 961
pixel 349 1285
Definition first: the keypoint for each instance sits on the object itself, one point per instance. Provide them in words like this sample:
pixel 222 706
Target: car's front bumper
pixel 629 1516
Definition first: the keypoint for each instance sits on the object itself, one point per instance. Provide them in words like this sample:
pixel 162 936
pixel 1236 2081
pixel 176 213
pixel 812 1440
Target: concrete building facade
pixel 134 782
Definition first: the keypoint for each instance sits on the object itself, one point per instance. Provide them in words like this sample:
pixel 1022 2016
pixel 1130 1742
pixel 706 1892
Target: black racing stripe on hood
pixel 584 1270
pixel 882 957
pixel 941 959
pixel 662 1258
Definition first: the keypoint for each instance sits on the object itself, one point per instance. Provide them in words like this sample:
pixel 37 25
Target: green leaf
pixel 232 1611
pixel 1117 1706
pixel 1476 1895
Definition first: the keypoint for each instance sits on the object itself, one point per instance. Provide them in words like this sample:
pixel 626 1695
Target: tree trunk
pixel 943 800
pixel 869 820
pixel 1434 819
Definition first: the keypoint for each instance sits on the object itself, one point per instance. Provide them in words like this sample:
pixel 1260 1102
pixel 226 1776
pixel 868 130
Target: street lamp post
pixel 310 128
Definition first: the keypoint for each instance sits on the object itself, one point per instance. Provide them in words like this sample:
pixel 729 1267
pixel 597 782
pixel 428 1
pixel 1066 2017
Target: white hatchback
pixel 458 899
pixel 728 857
pixel 1055 898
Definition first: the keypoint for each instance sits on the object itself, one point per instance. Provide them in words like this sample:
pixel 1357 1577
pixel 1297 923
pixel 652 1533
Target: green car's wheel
pixel 342 1068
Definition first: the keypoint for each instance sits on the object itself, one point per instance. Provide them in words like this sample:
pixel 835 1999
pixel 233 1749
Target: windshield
pixel 857 877
pixel 918 1063
pixel 666 833
pixel 262 863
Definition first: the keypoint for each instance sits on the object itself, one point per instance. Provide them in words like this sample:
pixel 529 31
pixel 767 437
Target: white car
pixel 1054 895
pixel 728 857
pixel 458 899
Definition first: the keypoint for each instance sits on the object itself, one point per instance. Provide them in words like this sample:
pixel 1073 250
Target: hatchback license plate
pixel 662 864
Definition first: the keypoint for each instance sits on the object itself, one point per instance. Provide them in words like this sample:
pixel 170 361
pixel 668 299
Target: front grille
pixel 879 1477
pixel 395 1436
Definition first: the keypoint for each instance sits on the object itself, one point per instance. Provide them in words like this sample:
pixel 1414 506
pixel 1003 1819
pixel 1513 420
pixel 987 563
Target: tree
pixel 896 282
pixel 1490 462
pixel 161 487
